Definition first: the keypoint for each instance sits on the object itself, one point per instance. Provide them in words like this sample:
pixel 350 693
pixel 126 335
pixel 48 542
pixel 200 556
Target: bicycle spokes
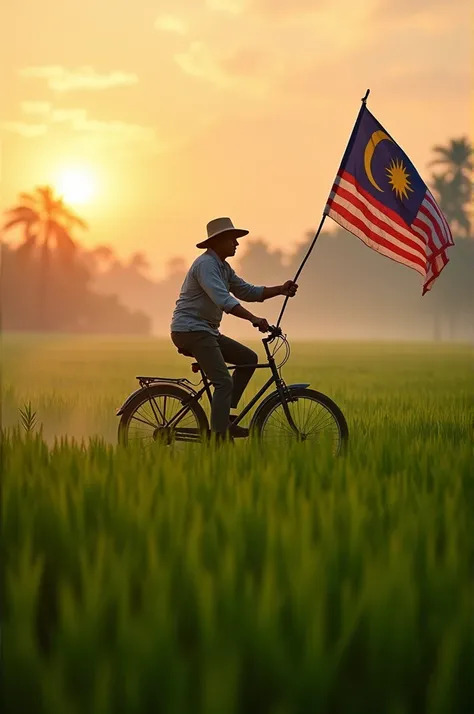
pixel 312 421
pixel 154 422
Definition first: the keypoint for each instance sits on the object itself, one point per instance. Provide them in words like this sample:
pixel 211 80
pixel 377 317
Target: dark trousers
pixel 212 352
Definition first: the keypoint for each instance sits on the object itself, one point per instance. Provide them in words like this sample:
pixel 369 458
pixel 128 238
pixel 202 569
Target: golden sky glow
pixel 166 114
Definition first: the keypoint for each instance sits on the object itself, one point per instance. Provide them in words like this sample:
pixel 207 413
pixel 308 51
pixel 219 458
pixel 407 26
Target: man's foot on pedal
pixel 238 432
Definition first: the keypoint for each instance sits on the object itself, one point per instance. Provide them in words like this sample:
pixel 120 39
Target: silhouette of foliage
pixel 45 280
pixel 453 187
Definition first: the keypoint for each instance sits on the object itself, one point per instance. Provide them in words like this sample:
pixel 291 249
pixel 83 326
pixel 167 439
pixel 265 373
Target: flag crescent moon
pixel 375 139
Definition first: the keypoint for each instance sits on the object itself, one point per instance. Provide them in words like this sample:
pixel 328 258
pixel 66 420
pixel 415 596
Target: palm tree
pixel 47 221
pixel 456 157
pixel 453 187
pixel 47 217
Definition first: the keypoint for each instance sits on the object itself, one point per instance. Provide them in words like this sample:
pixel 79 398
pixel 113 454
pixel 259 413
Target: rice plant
pixel 240 580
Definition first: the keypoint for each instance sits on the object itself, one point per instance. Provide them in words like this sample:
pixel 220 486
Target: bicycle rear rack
pixel 182 381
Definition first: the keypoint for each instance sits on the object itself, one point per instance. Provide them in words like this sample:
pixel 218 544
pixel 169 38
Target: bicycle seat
pixel 195 366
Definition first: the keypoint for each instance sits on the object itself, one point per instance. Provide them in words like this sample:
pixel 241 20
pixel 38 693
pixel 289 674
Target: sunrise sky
pixel 157 116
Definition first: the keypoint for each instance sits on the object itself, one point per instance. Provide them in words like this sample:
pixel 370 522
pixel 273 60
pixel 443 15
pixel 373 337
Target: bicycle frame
pixel 282 390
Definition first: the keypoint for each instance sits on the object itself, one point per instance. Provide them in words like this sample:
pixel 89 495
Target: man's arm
pixel 244 314
pixel 210 280
pixel 252 293
pixel 289 288
pixel 243 290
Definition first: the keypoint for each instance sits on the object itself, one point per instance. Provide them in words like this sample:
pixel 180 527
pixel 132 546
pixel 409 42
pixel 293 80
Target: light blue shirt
pixel 206 294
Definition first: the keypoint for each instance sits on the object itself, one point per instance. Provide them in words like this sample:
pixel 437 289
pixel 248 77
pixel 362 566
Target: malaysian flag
pixel 379 196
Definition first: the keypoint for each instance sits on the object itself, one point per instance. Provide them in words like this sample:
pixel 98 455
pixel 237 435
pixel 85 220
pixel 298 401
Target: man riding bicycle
pixel 208 290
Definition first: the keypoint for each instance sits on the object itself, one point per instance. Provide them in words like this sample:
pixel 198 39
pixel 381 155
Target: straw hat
pixel 221 226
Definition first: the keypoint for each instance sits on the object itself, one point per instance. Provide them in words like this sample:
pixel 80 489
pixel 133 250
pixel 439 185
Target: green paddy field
pixel 243 580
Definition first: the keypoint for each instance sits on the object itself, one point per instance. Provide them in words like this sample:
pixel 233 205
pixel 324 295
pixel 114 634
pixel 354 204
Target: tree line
pixel 47 285
pixel 50 282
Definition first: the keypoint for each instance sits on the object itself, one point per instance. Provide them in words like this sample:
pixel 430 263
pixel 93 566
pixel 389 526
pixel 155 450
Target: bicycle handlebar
pixel 274 332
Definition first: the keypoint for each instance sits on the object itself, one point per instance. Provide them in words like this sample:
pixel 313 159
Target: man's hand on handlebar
pixel 262 324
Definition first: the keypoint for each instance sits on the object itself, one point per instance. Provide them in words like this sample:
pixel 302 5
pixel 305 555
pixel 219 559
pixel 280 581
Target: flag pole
pixel 349 144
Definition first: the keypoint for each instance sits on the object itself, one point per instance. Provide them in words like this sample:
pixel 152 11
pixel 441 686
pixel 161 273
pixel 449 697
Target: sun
pixel 76 185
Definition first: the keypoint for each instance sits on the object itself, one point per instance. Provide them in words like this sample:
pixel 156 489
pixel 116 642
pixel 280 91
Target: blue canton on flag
pixel 379 196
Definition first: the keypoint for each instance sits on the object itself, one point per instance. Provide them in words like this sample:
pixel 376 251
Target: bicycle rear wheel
pixel 317 419
pixel 149 420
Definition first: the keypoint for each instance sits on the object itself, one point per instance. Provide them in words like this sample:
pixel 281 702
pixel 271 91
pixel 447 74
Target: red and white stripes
pixel 420 246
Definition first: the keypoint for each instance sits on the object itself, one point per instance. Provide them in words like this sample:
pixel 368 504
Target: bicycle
pixel 176 416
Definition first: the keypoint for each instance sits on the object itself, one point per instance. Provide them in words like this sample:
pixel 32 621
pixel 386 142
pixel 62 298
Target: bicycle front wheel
pixel 316 418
